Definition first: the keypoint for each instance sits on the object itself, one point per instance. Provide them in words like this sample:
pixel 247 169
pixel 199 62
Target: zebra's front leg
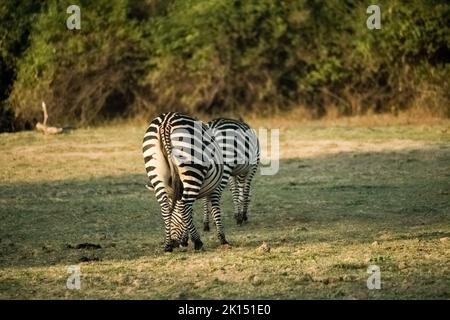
pixel 185 238
pixel 184 242
pixel 206 212
pixel 184 208
pixel 215 211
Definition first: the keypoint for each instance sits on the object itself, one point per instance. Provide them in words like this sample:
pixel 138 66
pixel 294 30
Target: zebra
pixel 183 164
pixel 241 153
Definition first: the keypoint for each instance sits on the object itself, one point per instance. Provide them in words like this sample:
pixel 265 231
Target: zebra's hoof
pixel 168 248
pixel 244 218
pixel 239 221
pixel 198 245
pixel 184 243
pixel 206 227
pixel 225 246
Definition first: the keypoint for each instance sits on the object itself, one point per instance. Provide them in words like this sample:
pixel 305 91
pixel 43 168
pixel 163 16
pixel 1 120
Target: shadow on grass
pixel 351 197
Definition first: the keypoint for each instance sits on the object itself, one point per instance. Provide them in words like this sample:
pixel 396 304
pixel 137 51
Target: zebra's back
pixel 238 143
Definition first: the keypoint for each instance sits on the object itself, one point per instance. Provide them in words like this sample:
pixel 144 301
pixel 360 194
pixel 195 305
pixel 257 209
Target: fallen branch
pixel 43 126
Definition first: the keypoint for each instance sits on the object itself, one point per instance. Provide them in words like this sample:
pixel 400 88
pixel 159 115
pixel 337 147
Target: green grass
pixel 345 197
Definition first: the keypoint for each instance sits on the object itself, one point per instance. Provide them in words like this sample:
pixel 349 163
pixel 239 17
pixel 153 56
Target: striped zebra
pixel 183 164
pixel 241 153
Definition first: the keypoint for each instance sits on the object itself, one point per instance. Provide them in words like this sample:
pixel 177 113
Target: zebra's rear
pixel 241 153
pixel 183 163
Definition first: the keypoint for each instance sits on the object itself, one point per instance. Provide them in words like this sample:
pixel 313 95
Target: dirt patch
pixel 88 246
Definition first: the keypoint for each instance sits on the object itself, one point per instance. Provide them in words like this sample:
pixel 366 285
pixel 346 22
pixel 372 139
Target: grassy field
pixel 347 196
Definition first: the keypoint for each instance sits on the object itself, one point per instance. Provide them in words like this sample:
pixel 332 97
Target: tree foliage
pixel 138 57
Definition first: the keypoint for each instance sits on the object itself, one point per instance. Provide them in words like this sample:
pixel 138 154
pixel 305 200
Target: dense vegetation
pixel 136 57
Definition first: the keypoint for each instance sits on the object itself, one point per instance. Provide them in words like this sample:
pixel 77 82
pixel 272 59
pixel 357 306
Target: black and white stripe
pixel 183 164
pixel 241 155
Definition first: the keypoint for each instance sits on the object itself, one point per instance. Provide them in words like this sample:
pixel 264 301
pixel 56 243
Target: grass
pixel 347 195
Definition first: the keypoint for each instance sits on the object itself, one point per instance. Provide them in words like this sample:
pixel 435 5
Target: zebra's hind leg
pixel 184 242
pixel 166 214
pixel 246 192
pixel 234 187
pixel 246 200
pixel 206 211
pixel 215 211
pixel 239 189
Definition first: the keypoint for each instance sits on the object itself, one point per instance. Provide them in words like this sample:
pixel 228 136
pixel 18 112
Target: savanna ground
pixel 348 194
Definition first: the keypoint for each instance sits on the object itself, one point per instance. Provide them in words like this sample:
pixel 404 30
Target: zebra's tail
pixel 175 181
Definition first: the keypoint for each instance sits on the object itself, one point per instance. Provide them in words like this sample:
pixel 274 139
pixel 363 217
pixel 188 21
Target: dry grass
pixel 300 117
pixel 347 195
